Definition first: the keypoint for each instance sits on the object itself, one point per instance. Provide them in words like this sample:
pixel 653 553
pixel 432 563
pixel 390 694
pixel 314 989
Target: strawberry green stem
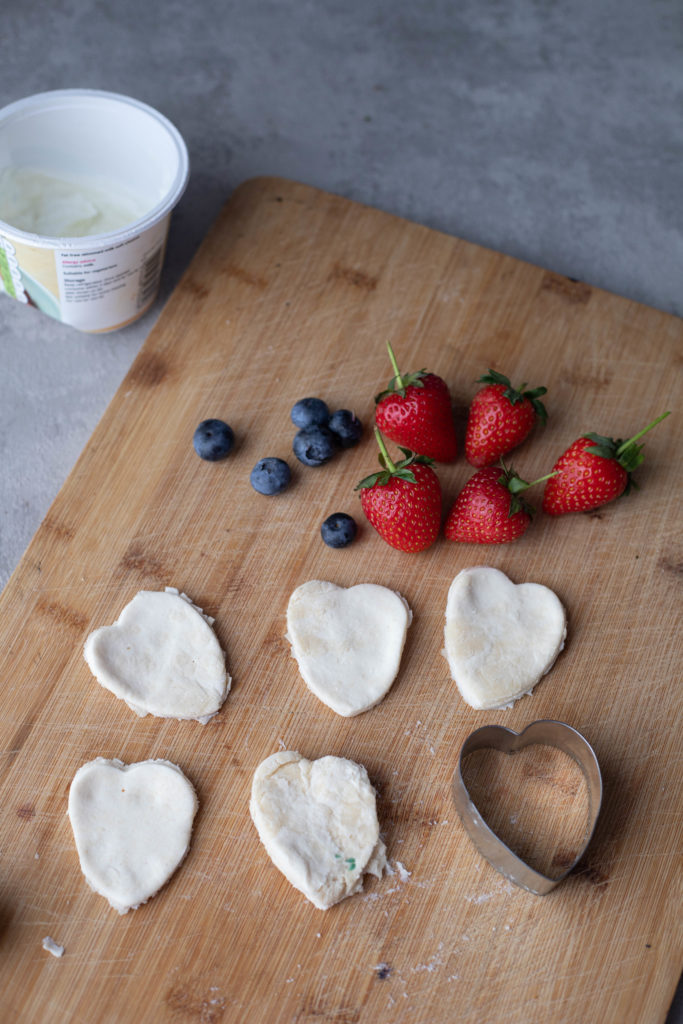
pixel 516 485
pixel 542 478
pixel 383 448
pixel 397 373
pixel 640 433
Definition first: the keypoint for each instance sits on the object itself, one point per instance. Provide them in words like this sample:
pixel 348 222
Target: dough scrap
pixel 318 823
pixel 500 637
pixel 161 657
pixel 50 946
pixel 132 826
pixel 347 642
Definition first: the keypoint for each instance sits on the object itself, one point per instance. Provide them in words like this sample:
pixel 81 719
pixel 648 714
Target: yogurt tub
pixel 88 181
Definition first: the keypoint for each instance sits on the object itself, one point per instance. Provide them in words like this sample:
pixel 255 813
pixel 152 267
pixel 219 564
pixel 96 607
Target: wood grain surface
pixel 293 293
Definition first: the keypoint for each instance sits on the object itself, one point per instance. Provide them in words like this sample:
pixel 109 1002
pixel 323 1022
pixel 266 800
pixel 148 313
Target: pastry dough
pixel 161 657
pixel 500 637
pixel 318 823
pixel 132 826
pixel 50 946
pixel 347 642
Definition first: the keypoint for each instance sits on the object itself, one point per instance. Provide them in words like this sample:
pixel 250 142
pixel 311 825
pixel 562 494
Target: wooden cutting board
pixel 294 293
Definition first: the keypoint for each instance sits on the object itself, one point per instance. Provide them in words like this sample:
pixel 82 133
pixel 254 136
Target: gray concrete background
pixel 547 130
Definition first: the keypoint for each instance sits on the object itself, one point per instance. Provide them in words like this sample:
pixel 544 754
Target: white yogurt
pixel 45 205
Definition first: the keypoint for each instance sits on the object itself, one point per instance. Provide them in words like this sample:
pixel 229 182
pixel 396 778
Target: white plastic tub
pixel 98 145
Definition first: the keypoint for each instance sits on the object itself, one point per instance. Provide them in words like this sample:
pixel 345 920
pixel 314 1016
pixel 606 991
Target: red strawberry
pixel 415 412
pixel 488 509
pixel 593 471
pixel 403 501
pixel 500 418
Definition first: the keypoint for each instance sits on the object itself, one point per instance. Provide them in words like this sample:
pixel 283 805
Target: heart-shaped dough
pixel 132 826
pixel 500 637
pixel 318 823
pixel 347 642
pixel 161 657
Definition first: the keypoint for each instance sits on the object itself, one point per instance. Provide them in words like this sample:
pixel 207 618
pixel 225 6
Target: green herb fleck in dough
pixel 349 861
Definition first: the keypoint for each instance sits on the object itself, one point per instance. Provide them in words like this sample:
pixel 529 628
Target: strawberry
pixel 500 418
pixel 415 412
pixel 403 500
pixel 488 509
pixel 592 471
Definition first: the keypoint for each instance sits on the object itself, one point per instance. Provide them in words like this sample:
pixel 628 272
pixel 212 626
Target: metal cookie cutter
pixel 498 737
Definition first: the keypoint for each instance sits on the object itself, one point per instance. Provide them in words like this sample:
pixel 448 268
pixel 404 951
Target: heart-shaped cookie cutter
pixel 546 733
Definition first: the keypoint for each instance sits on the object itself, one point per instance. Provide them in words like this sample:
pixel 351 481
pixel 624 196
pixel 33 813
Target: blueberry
pixel 314 445
pixel 270 476
pixel 347 428
pixel 310 412
pixel 213 440
pixel 338 530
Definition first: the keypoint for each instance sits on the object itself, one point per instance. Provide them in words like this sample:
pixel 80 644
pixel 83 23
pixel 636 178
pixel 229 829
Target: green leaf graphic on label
pixel 10 274
pixel 5 275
